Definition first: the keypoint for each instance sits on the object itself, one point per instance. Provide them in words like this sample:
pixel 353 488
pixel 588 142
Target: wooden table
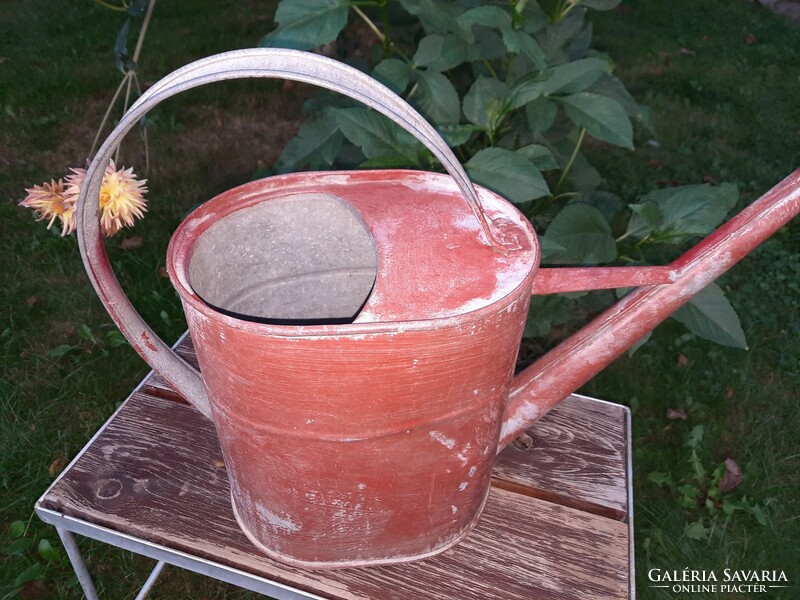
pixel 558 524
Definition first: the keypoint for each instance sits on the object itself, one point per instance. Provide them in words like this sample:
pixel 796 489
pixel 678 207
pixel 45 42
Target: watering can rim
pixel 183 239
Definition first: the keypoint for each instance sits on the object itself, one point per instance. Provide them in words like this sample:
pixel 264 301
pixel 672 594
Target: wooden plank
pixel 577 455
pixel 156 473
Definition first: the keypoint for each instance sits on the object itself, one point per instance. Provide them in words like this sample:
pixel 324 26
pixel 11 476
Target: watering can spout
pixel 661 291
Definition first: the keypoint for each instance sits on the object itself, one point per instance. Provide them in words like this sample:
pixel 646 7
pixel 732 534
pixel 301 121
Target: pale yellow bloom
pixel 121 197
pixel 50 201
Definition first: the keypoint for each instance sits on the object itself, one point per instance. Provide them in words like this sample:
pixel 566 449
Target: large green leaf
pixel 600 4
pixel 646 217
pixel 602 117
pixel 456 134
pixel 393 73
pixel 685 212
pixel 376 135
pixel 487 45
pixel 546 312
pixel 512 176
pixel 710 316
pixel 315 145
pixel 437 98
pixel 584 233
pixel 612 87
pixel 484 103
pixel 575 76
pixel 436 16
pixel 520 42
pixel 305 24
pixel 488 16
pixel 527 89
pixel 440 53
pixel 539 155
pixel 540 114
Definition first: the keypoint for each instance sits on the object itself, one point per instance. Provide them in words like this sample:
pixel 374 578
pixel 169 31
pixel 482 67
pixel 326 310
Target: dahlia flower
pixel 50 201
pixel 121 199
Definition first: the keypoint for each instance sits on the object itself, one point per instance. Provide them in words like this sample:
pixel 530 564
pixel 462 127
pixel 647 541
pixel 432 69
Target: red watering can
pixel 357 332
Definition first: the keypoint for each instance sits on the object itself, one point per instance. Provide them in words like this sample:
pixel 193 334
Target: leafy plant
pixel 516 90
pixel 705 493
pixel 35 561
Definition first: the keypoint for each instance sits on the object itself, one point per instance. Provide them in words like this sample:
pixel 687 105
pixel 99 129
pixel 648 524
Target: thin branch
pixel 566 170
pixel 144 130
pixel 122 8
pixel 378 33
pixel 105 117
pixel 143 30
pixel 129 77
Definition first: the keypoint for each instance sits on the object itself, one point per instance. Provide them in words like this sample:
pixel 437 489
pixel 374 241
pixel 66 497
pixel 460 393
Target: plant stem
pixel 491 68
pixel 129 77
pixel 378 33
pixel 387 45
pixel 382 37
pixel 105 116
pixel 127 80
pixel 566 170
pixel 144 130
pixel 143 30
pixel 111 6
pixel 413 90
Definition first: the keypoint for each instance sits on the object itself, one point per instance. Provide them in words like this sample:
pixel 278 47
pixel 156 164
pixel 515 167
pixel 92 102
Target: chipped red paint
pixel 382 449
pixel 585 279
pixel 370 442
pixel 373 442
pixel 150 345
pixel 579 358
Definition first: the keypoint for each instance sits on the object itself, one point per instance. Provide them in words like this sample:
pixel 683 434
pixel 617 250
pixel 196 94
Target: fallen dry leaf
pixel 709 179
pixel 162 272
pixel 131 243
pixel 676 413
pixel 57 465
pixel 729 393
pixel 683 362
pixel 32 300
pixel 686 52
pixel 34 590
pixel 732 477
pixel 749 39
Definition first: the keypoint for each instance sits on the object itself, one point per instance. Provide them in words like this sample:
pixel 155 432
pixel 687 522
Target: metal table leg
pixel 82 572
pixel 76 559
pixel 148 585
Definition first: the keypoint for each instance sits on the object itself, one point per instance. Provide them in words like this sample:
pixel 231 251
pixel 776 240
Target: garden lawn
pixel 722 78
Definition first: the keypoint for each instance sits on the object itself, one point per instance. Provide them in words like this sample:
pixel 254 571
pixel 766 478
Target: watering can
pixel 357 331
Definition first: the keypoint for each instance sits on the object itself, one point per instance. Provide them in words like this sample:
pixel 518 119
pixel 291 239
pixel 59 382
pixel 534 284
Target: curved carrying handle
pixel 255 62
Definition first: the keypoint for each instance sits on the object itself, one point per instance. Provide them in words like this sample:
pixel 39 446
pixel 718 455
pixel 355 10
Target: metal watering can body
pixel 359 424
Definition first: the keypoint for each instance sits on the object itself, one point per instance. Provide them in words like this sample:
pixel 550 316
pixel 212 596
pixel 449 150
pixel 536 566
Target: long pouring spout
pixel 580 357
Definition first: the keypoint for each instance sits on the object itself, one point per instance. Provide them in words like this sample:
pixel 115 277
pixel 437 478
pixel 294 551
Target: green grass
pixel 728 111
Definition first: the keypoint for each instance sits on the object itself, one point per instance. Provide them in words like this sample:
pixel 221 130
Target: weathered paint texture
pixel 579 358
pixel 382 449
pixel 374 441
